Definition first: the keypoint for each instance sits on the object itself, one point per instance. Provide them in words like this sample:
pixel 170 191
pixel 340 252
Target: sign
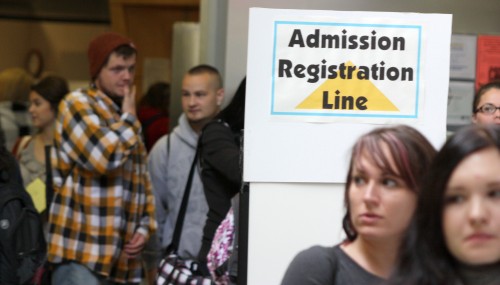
pixel 488 59
pixel 317 80
pixel 349 68
pixel 463 57
pixel 460 103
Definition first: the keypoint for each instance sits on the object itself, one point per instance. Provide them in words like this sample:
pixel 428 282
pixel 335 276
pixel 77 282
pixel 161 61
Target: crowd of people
pixel 414 216
pixel 116 177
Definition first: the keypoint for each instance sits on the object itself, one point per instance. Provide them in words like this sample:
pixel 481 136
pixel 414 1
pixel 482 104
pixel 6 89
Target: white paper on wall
pixel 299 125
pixel 463 57
pixel 460 103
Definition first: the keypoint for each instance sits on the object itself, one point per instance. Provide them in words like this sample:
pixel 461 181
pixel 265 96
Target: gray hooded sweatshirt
pixel 169 170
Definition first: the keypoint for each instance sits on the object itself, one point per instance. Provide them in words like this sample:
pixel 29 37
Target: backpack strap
pixel 20 145
pixel 174 245
pixel 49 184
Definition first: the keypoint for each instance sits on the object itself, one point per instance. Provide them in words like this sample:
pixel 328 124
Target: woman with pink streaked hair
pixel 382 186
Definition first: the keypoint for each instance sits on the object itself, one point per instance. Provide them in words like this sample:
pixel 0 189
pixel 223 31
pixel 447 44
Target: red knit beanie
pixel 101 47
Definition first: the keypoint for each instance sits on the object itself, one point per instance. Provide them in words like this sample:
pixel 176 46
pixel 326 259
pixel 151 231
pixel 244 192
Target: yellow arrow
pixel 376 100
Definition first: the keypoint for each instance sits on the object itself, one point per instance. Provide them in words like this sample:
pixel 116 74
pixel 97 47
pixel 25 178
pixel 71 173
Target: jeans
pixel 73 273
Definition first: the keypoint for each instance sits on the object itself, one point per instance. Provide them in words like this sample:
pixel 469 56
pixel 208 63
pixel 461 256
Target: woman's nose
pixel 371 192
pixel 478 211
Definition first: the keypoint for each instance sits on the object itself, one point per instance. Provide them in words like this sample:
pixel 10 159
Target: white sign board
pixel 317 80
pixel 347 68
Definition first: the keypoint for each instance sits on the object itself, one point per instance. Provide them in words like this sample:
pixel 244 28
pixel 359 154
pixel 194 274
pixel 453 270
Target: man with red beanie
pixel 102 213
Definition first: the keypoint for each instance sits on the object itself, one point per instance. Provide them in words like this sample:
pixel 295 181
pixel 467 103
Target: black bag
pixel 22 243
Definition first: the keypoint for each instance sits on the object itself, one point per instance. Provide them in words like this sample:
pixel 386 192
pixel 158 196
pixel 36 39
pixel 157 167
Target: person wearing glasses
pixel 486 103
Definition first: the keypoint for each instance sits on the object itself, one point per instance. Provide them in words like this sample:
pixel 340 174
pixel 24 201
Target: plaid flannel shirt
pixel 102 191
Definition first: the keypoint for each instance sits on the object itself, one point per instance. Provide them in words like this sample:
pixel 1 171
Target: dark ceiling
pixel 88 11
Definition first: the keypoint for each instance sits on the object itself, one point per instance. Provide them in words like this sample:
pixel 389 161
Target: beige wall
pixel 15 39
pixel 62 45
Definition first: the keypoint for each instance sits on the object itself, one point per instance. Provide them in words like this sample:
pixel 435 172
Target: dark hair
pixel 424 257
pixel 205 68
pixel 52 89
pixel 158 96
pixel 480 92
pixel 411 151
pixel 234 113
pixel 125 51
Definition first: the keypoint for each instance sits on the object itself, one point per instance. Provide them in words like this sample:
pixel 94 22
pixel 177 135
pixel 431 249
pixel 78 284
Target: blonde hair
pixel 15 85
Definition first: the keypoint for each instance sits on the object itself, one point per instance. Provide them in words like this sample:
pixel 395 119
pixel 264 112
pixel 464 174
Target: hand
pixel 133 248
pixel 128 104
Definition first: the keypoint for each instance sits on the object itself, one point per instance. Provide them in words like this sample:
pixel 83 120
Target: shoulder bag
pixel 173 270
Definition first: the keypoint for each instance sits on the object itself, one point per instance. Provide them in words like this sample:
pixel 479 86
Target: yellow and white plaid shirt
pixel 102 190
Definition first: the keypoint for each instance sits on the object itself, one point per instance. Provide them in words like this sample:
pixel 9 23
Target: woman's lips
pixel 369 218
pixel 479 237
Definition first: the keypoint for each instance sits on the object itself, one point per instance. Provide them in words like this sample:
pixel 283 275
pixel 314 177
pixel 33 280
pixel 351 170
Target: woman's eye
pixel 358 180
pixel 388 182
pixel 454 199
pixel 494 194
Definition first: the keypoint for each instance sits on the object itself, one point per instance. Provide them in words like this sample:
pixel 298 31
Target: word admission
pixel 344 41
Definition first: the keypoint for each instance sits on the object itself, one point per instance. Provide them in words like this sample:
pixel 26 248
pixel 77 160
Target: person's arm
pixel 148 224
pixel 221 152
pixel 158 170
pixel 312 266
pixel 84 135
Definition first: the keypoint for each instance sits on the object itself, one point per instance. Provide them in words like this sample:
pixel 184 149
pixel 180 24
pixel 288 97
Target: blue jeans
pixel 73 273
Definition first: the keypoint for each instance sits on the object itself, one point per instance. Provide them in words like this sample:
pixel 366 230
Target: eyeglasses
pixel 488 108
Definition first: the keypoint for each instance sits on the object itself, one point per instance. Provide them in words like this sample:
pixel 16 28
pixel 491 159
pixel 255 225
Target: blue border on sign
pixel 314 114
